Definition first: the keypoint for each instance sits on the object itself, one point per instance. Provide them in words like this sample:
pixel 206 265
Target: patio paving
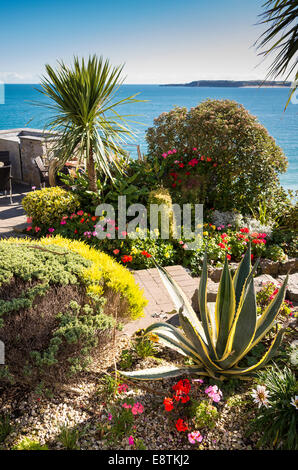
pixel 12 216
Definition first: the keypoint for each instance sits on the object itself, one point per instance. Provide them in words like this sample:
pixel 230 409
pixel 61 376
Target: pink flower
pixel 214 393
pixel 80 212
pixel 29 220
pixel 194 437
pixel 63 222
pixel 110 417
pixel 33 187
pixel 137 408
pixel 181 242
pixel 124 233
pixel 201 381
pixel 174 151
pixel 37 229
pixel 126 406
pixel 164 155
pixel 28 229
pixel 51 230
pixel 170 152
pixel 122 387
pixel 131 441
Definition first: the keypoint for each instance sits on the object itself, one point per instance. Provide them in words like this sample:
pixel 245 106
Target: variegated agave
pixel 217 339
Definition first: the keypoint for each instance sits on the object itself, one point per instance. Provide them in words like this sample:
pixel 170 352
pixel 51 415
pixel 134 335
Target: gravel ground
pixel 84 406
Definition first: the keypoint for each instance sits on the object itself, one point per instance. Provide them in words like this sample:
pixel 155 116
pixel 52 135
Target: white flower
pixel 260 396
pixel 294 402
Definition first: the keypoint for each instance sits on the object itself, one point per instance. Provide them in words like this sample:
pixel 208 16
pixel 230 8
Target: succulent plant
pixel 217 339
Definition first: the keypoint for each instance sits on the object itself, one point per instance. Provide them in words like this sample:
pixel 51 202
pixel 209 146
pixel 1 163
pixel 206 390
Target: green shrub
pixel 275 253
pixel 57 305
pixel 204 414
pixel 49 205
pixel 277 422
pixel 247 158
pixel 29 444
pixel 5 426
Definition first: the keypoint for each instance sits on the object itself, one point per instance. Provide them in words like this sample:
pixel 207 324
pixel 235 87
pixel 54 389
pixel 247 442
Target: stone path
pixel 12 216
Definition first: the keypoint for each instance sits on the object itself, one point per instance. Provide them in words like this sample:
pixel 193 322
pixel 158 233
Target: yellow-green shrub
pixel 161 196
pixel 48 205
pixel 103 273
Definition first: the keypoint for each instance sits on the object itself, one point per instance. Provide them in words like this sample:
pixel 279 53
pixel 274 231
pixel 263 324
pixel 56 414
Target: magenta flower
pixel 51 230
pixel 164 155
pixel 137 408
pixel 194 437
pixel 110 417
pixel 131 441
pixel 63 222
pixel 214 393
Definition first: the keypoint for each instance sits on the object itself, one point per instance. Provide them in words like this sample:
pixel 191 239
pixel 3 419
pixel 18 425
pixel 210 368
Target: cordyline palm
pixel 85 117
pixel 281 38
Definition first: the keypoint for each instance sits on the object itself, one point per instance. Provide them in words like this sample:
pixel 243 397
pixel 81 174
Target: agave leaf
pixel 243 330
pixel 204 312
pixel 265 321
pixel 180 300
pixel 165 372
pixel 241 275
pixel 198 343
pixel 266 358
pixel 224 309
pixel 174 339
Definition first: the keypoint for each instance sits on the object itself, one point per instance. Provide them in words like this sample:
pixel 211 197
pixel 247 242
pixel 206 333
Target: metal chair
pixel 43 172
pixel 5 181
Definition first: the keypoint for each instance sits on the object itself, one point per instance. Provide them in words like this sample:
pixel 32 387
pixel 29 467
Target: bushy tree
pixel 247 158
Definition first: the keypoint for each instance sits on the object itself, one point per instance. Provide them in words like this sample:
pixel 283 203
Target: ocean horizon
pixel 267 104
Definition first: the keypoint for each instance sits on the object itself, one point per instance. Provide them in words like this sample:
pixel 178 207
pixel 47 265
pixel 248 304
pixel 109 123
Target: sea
pixel 267 104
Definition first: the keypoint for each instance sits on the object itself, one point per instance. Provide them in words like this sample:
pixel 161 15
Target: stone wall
pixel 24 145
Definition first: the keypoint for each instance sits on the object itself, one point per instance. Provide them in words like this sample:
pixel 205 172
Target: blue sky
pixel 159 41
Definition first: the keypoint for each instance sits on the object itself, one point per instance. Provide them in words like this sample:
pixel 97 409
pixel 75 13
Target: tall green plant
pixel 85 118
pixel 217 340
pixel 281 38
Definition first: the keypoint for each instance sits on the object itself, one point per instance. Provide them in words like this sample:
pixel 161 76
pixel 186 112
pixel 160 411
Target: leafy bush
pixel 247 158
pixel 29 444
pixel 49 205
pixel 275 253
pixel 58 300
pixel 277 421
pixel 204 414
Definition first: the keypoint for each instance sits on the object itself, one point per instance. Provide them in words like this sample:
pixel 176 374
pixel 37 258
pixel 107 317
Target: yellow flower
pixel 153 337
pixel 167 255
pixel 213 226
pixel 205 233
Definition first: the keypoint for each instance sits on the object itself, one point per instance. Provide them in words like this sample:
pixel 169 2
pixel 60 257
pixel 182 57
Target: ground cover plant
pixel 59 300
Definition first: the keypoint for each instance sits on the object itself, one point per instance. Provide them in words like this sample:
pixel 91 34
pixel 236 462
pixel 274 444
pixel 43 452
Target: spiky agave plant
pixel 217 339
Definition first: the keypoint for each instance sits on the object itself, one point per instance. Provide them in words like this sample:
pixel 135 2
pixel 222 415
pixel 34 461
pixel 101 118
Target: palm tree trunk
pixel 91 172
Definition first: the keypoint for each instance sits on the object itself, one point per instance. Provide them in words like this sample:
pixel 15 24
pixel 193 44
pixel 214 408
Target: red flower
pixel 181 165
pixel 82 220
pixel 126 258
pixel 168 402
pixel 244 230
pixel 145 253
pixel 187 173
pixel 221 245
pixel 214 164
pixel 181 425
pixel 75 231
pixel 174 185
pixel 229 257
pixel 209 159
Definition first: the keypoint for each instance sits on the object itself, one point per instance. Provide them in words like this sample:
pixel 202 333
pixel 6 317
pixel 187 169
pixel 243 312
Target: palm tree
pixel 281 38
pixel 84 116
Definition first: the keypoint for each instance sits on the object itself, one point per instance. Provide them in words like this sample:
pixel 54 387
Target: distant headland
pixel 233 84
